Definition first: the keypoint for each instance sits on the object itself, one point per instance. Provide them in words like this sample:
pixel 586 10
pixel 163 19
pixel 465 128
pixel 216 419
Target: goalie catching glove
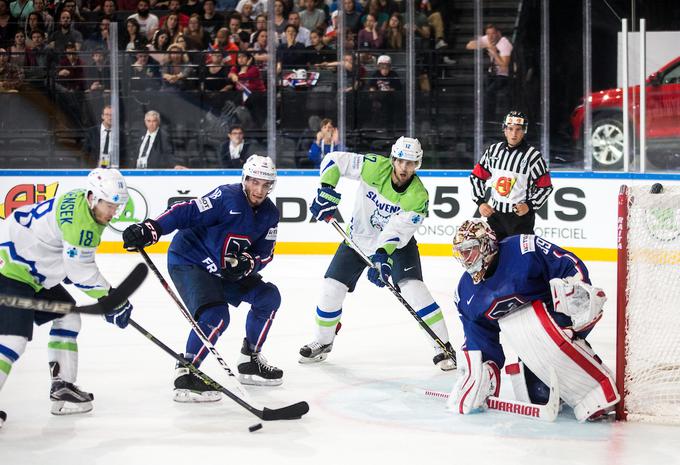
pixel 325 204
pixel 140 235
pixel 579 300
pixel 237 266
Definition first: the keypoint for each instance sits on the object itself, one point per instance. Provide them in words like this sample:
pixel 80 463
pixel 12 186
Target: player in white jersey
pixel 391 203
pixel 47 244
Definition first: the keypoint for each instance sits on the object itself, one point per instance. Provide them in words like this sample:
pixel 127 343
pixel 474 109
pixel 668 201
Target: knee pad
pixel 416 293
pixel 267 300
pixel 332 296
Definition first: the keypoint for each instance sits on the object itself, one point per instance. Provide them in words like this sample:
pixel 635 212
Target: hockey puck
pixel 657 188
pixel 254 428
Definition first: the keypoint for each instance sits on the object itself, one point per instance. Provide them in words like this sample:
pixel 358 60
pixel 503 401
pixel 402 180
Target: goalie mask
pixel 475 246
pixel 107 184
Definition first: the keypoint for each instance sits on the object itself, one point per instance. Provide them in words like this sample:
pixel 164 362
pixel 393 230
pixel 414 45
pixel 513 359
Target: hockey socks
pixel 62 348
pixel 213 321
pixel 11 348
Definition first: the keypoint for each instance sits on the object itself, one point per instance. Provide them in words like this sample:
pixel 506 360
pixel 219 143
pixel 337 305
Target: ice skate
pixel 443 361
pixel 315 352
pixel 253 369
pixel 190 388
pixel 68 399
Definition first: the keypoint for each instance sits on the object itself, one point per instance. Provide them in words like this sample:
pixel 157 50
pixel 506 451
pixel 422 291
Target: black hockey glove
pixel 237 266
pixel 140 235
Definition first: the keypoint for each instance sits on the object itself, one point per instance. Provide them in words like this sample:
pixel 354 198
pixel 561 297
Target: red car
pixel 663 120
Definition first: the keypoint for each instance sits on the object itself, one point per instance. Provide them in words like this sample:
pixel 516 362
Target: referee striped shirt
pixel 515 174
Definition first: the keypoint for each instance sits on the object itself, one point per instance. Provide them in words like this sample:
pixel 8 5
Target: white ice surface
pixel 358 412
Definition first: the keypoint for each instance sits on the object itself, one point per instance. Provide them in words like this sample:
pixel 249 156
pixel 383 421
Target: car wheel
pixel 607 142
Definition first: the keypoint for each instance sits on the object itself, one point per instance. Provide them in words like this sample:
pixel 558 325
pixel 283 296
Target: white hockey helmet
pixel 408 148
pixel 259 167
pixel 475 246
pixel 109 185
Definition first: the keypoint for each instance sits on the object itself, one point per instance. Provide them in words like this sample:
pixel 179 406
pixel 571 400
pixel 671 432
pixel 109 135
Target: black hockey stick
pixel 290 412
pixel 394 291
pixel 236 385
pixel 105 305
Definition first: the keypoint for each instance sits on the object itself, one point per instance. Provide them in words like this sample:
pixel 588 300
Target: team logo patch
pixel 503 185
pixel 416 219
pixel 526 243
pixel 378 220
pixel 203 204
pixel 271 234
pixel 72 252
pixel 216 194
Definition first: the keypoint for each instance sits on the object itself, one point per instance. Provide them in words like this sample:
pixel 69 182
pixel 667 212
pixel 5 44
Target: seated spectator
pixel 148 22
pixel 259 49
pixel 11 76
pixel 384 79
pixel 176 73
pixel 236 34
pixel 303 32
pixel 191 7
pixel 290 51
pixel 375 10
pixel 70 71
pixel 226 5
pixel 172 26
pixel 247 23
pixel 260 25
pixel 99 39
pixel 353 82
pixel 330 33
pixel 98 146
pixel 211 20
pixel 98 72
pixel 259 6
pixel 280 21
pixel 197 38
pixel 394 34
pixel 246 76
pixel 42 57
pixel 7 25
pixel 20 54
pixel 65 34
pixel 370 37
pixel 216 79
pixel 312 17
pixel 223 44
pixel 145 72
pixel 318 52
pixel 159 45
pixel 108 10
pixel 174 7
pixel 235 151
pixel 327 140
pixel 72 7
pixel 132 38
pixel 352 16
pixel 435 20
pixel 155 147
pixel 20 9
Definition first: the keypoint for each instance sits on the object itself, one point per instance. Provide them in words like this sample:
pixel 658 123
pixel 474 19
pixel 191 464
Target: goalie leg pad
pixel 329 310
pixel 519 385
pixel 585 384
pixel 477 380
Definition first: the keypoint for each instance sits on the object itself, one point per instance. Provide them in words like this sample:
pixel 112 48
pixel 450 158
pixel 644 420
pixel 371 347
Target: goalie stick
pixel 547 412
pixel 290 412
pixel 394 291
pixel 105 305
pixel 241 394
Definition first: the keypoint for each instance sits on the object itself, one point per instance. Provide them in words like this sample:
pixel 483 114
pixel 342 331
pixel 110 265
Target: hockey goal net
pixel 648 323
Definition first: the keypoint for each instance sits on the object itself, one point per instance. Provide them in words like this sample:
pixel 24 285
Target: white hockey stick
pixel 547 412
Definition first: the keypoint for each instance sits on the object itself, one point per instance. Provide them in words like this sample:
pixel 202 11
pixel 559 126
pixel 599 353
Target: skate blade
pixel 186 396
pixel 317 359
pixel 62 407
pixel 253 380
pixel 446 365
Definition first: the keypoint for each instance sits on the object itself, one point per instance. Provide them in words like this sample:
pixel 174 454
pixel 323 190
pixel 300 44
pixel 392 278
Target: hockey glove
pixel 325 204
pixel 381 270
pixel 237 267
pixel 140 235
pixel 120 315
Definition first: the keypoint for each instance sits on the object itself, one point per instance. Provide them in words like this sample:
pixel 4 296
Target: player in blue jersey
pixel 224 239
pixel 540 297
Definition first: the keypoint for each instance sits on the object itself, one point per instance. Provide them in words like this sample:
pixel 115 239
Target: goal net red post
pixel 648 304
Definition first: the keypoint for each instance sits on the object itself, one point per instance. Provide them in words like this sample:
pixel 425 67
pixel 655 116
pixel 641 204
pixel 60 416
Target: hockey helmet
pixel 107 184
pixel 259 167
pixel 408 148
pixel 516 117
pixel 475 246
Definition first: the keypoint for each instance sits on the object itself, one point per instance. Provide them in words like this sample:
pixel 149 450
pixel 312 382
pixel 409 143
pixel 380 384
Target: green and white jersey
pixel 45 243
pixel 382 217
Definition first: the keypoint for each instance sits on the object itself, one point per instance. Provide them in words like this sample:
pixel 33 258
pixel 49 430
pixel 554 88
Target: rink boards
pixel 580 215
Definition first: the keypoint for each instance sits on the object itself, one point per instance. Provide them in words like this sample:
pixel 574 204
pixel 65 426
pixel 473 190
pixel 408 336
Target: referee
pixel 518 177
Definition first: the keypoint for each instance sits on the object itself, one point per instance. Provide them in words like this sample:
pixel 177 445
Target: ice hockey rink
pixel 358 410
